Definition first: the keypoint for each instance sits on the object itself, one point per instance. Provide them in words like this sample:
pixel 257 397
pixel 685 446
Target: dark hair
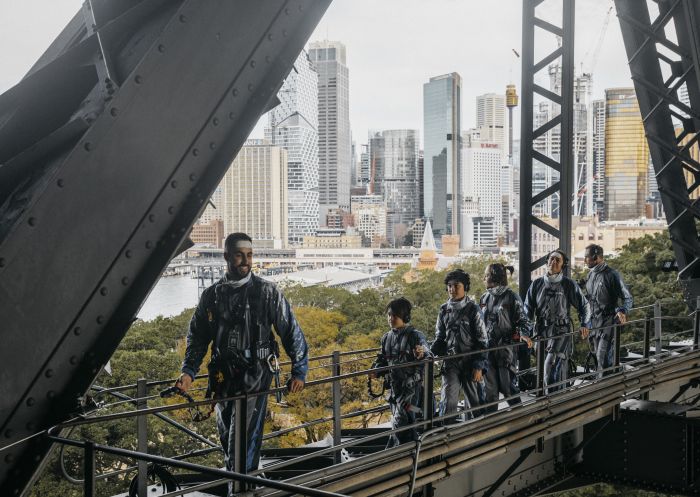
pixel 563 256
pixel 233 238
pixel 460 276
pixel 401 308
pixel 497 273
pixel 595 250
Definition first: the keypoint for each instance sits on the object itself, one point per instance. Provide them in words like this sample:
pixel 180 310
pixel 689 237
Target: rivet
pixel 87 146
pixel 73 360
pixel 31 401
pixel 94 370
pixel 113 111
pixel 267 59
pixel 9 458
pixel 171 210
pixel 161 48
pixel 212 145
pixel 50 394
pixel 100 319
pixel 269 37
pixel 8 433
pixel 76 331
pixel 30 426
pixel 149 244
pixel 252 63
pixel 300 7
pixel 138 79
pixel 192 178
pixel 37 458
pixel 173 184
pixel 103 291
pixel 2 262
pixel 183 18
pixel 60 183
pixel 195 152
pixel 151 217
pixel 48 373
pixel 215 121
pixel 286 12
pixel 217 36
pixel 284 33
pixel 234 92
pixel 250 87
pixel 231 116
pixel 128 254
pixel 32 221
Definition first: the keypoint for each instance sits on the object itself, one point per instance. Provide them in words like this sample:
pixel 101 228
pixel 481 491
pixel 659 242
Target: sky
pixel 393 48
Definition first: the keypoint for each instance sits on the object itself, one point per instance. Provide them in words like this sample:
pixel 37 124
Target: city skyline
pixel 426 40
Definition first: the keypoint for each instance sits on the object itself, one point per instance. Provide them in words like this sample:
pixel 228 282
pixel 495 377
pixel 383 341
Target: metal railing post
pixel 337 425
pixel 617 329
pixel 647 337
pixel 657 327
pixel 142 436
pixel 428 393
pixel 696 324
pixel 240 441
pixel 89 470
pixel 541 345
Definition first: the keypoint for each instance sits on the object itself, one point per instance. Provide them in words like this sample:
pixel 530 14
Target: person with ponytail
pixel 506 324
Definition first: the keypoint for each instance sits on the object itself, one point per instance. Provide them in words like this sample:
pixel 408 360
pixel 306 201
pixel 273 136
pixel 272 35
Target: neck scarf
pixel 497 290
pixel 599 267
pixel 456 305
pixel 230 282
pixel 555 278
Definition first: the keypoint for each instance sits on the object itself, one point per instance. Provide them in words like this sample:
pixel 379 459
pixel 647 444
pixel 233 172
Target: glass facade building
pixel 293 125
pixel 442 152
pixel 626 156
pixel 334 140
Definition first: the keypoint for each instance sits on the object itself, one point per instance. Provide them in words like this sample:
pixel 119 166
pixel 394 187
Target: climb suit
pixel 236 317
pixel 548 301
pixel 460 329
pixel 405 384
pixel 505 321
pixel 605 289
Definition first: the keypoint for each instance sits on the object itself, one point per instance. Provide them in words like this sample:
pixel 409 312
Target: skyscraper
pixel 491 119
pixel 394 155
pixel 255 194
pixel 334 141
pixel 598 110
pixel 626 156
pixel 293 125
pixel 442 151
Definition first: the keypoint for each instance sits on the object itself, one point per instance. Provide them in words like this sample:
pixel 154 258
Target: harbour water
pixel 170 296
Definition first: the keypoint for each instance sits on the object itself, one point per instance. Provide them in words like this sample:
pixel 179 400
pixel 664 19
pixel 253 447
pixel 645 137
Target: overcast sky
pixel 393 47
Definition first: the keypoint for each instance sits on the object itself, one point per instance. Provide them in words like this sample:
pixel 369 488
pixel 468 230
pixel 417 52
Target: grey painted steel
pixel 663 112
pixel 103 185
pixel 564 187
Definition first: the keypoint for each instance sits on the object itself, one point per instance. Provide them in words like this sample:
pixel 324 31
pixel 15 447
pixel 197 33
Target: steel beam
pixel 100 188
pixel 564 164
pixel 669 123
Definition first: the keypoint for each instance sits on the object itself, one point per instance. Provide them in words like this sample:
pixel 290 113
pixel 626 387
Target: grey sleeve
pixel 198 338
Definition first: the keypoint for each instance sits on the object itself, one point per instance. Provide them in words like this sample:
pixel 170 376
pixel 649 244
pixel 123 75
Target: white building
pixel 255 194
pixel 293 125
pixel 334 140
pixel 370 215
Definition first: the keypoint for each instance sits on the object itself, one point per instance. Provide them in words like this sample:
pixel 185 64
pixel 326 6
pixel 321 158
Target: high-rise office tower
pixel 394 155
pixel 598 110
pixel 442 151
pixel 491 120
pixel 334 141
pixel 626 156
pixel 293 125
pixel 255 194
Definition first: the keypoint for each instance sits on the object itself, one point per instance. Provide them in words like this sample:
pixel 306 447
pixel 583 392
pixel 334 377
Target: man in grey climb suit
pixel 460 329
pixel 236 315
pixel 610 302
pixel 548 301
